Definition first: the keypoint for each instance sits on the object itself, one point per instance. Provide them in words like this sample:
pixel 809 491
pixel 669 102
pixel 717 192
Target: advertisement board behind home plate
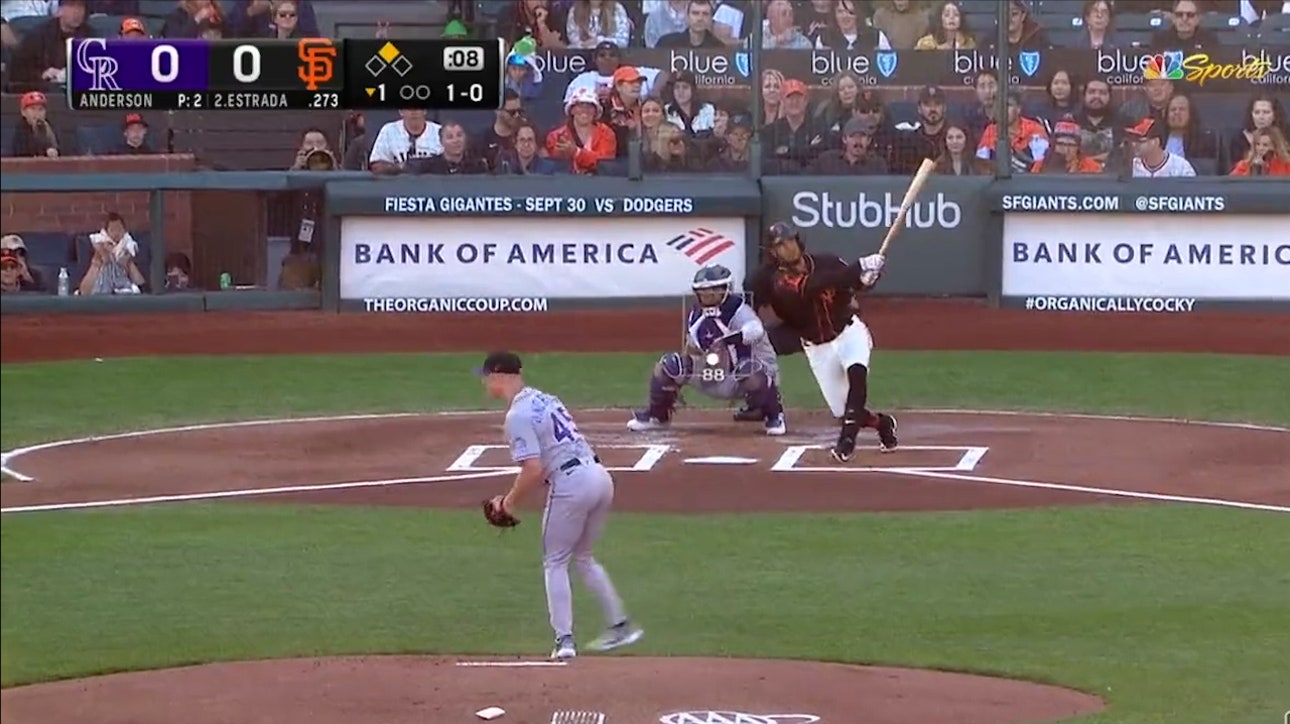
pixel 555 258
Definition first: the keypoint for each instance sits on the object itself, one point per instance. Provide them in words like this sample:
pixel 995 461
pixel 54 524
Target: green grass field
pixel 1173 613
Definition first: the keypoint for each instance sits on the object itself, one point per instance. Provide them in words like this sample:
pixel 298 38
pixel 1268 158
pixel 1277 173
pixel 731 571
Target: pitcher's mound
pixel 609 690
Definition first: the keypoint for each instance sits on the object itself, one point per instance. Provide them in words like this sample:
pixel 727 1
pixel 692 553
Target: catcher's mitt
pixel 497 516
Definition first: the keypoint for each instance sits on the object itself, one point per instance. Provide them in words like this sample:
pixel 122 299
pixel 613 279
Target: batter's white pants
pixel 829 362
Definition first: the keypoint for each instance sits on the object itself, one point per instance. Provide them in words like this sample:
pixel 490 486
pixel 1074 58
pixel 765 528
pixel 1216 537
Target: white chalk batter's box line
pixel 650 455
pixel 968 459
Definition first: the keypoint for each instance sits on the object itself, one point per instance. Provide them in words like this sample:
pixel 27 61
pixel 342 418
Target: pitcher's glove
pixel 497 516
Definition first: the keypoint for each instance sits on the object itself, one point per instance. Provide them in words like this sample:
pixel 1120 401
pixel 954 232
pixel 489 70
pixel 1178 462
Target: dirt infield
pixel 707 462
pixel 631 690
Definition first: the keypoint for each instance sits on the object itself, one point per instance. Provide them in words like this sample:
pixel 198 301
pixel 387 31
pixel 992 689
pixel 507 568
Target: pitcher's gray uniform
pixel 580 492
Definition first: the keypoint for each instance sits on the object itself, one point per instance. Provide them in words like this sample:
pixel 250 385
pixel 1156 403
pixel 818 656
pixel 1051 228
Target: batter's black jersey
pixel 815 303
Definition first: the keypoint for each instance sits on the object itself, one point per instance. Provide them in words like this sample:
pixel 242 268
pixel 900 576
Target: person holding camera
pixel 314 153
pixel 34 137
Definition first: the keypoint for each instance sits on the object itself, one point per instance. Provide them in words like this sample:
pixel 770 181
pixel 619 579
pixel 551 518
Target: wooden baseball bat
pixel 915 186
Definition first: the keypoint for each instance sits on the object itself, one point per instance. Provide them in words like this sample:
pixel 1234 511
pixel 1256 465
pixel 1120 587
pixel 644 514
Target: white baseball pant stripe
pixel 829 362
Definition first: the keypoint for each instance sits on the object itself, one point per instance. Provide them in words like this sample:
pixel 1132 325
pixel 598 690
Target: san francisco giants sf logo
pixel 317 61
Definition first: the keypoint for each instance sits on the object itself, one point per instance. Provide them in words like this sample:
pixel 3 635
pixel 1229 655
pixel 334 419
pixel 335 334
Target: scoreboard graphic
pixel 304 74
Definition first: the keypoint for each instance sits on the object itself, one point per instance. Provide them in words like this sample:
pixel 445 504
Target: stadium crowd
pixel 586 118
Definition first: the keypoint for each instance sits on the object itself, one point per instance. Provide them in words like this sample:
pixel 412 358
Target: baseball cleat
pixel 886 432
pixel 564 649
pixel 624 634
pixel 844 448
pixel 776 425
pixel 643 422
pixel 748 414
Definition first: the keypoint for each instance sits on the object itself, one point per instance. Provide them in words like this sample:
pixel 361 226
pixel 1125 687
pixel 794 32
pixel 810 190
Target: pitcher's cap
pixel 500 363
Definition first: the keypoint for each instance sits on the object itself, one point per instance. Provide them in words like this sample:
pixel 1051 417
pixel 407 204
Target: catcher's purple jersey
pixel 708 324
pixel 539 426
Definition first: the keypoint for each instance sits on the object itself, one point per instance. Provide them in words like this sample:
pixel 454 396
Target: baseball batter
pixel 728 356
pixel 545 442
pixel 813 295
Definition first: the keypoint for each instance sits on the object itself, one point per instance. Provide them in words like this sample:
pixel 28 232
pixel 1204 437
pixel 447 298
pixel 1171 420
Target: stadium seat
pixel 24 24
pixel 1135 38
pixel 612 167
pixel 156 8
pixel 1065 38
pixel 1139 21
pixel 1274 31
pixel 1057 22
pixel 48 248
pixel 97 139
pixel 6 140
pixel 105 26
pixel 1221 21
pixel 1235 37
pixel 1205 166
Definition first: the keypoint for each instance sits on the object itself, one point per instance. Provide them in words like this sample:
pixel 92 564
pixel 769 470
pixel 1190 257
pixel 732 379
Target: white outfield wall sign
pixel 555 258
pixel 1218 257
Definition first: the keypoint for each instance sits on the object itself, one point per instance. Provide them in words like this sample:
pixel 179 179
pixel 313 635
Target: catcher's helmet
pixel 711 284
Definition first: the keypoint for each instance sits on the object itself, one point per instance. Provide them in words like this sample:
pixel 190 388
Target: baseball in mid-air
pixel 712 359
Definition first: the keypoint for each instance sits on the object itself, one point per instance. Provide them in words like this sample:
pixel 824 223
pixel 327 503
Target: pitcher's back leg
pixel 593 574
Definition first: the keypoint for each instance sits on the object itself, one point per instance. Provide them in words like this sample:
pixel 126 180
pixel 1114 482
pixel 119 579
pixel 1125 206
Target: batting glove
pixel 872 263
pixel 869 278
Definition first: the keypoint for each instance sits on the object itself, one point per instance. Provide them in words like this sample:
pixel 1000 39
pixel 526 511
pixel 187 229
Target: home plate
pixel 721 460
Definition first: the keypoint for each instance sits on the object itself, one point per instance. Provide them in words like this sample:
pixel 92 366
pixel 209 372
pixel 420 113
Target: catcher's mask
pixel 777 238
pixel 712 284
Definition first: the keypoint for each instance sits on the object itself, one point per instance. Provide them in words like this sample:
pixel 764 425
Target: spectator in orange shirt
pixel 1065 156
pixel 1269 155
pixel 1026 136
pixel 583 141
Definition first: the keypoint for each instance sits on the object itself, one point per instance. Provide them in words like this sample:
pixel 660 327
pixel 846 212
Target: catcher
pixel 727 356
pixel 548 447
pixel 814 295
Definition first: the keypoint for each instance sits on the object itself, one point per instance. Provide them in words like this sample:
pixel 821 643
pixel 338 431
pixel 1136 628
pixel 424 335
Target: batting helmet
pixel 711 284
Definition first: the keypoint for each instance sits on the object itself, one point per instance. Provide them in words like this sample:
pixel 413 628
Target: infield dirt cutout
pixel 947 460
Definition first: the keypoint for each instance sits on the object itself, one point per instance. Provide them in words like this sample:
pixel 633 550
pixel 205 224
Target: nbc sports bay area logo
pixel 735 717
pixel 1121 67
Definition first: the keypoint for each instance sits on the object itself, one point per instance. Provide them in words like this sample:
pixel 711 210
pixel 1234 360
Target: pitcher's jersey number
pixel 563 426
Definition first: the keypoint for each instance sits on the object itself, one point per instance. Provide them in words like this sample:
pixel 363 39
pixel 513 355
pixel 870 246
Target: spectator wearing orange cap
pixel 134 137
pixel 133 29
pixel 1269 155
pixel 793 140
pixel 41 57
pixel 583 141
pixel 1066 156
pixel 621 109
pixel 34 137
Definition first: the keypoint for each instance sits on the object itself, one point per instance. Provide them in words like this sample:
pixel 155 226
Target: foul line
pixel 244 493
pixel 1092 491
pixel 510 664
